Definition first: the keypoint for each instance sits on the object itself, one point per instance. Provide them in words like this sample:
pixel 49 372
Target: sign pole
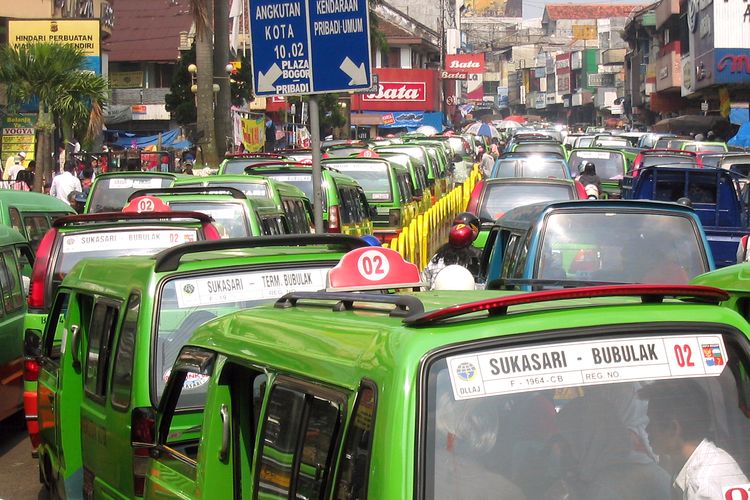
pixel 316 170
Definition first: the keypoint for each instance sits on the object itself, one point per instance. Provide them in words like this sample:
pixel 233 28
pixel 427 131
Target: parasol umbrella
pixel 484 129
pixel 427 130
pixel 506 124
pixel 516 118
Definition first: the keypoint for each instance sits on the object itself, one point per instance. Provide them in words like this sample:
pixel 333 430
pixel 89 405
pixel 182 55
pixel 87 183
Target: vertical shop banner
pixel 253 133
pixel 83 34
pixel 475 88
pixel 18 135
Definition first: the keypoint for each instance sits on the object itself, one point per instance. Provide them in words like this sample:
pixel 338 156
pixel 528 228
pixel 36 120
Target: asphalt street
pixel 19 474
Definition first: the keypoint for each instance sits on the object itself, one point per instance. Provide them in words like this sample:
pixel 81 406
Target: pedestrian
pixel 11 173
pixel 486 162
pixel 94 165
pixel 270 135
pixel 61 154
pixel 87 178
pixel 27 175
pixel 65 183
pixel 680 428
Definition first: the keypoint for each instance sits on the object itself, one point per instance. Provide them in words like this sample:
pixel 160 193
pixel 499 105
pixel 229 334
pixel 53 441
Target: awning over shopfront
pixel 168 139
pixel 410 120
pixel 691 123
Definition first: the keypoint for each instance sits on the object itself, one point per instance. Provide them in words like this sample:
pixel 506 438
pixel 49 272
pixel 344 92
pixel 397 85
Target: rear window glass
pixel 187 303
pixel 414 152
pixel 111 194
pixel 229 218
pixel 538 148
pixel 372 176
pixel 238 165
pixel 608 165
pixel 656 160
pixel 635 415
pixel 531 167
pixel 250 189
pixel 713 148
pixel 344 152
pixel 103 244
pixel 741 168
pixel 649 248
pixel 498 199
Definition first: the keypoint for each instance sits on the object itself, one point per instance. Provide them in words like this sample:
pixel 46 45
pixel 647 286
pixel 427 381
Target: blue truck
pixel 716 195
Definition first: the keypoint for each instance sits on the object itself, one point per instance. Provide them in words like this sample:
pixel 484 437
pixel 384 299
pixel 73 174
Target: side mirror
pixel 32 343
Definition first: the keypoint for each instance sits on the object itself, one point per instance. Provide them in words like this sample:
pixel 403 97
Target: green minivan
pixel 421 155
pixel 388 189
pixel 102 235
pixel 31 214
pixel 289 198
pixel 122 323
pixel 110 191
pixel 345 206
pixel 235 215
pixel 15 255
pixel 447 394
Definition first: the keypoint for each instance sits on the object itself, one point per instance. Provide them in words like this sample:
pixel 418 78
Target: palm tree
pixel 53 76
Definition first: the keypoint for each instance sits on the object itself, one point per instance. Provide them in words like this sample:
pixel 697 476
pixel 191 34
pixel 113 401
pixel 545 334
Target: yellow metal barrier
pixel 428 231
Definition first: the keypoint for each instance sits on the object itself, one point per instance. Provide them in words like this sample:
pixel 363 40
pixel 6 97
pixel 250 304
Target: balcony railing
pixel 139 96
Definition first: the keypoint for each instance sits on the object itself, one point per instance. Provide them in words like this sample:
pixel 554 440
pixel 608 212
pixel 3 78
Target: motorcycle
pixel 592 192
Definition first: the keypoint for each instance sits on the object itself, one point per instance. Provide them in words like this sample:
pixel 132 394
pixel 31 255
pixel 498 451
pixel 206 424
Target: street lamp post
pixel 193 70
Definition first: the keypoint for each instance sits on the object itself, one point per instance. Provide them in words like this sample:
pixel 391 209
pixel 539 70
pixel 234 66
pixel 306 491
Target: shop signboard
pixel 18 134
pixel 465 63
pixel 732 65
pixel 400 90
pixel 601 80
pixel 83 34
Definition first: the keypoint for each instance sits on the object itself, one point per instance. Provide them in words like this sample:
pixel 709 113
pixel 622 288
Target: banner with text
pixel 18 135
pixel 83 34
pixel 253 133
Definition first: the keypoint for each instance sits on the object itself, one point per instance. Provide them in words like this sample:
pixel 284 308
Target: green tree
pixel 54 77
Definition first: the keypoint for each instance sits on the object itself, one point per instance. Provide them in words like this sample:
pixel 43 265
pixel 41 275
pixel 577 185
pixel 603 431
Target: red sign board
pixel 464 63
pixel 388 119
pixel 401 90
pixel 146 204
pixel 373 268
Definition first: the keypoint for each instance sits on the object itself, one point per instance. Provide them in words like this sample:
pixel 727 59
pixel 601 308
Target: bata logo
pixel 447 75
pixel 398 91
pixel 455 64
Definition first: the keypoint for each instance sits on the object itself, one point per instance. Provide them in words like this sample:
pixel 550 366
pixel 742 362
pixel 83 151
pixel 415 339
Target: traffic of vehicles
pixel 191 336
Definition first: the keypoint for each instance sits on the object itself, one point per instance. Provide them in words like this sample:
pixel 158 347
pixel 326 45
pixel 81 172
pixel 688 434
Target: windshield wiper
pixel 537 284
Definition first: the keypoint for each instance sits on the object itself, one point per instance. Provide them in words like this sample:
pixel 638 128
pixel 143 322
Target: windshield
pixel 300 180
pixel 229 218
pixel 343 152
pixel 116 243
pixel 187 303
pixel 111 194
pixel 372 176
pixel 584 142
pixel 608 165
pixel 629 247
pixel 499 198
pixel 413 151
pixel 457 145
pixel 612 143
pixel 637 414
pixel 531 167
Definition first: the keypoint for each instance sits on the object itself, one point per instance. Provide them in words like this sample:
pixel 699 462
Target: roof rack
pixel 499 305
pixel 124 216
pixel 235 193
pixel 169 259
pixel 406 305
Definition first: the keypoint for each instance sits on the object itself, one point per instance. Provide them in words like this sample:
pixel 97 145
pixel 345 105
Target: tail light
pixel 394 217
pixel 37 288
pixel 334 219
pixel 742 250
pixel 210 232
pixel 387 238
pixel 142 432
pixel 31 370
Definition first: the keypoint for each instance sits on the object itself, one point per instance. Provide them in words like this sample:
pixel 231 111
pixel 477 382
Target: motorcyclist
pixel 588 177
pixel 458 250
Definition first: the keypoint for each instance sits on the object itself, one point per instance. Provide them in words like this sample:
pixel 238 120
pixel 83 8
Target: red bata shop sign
pixel 464 63
pixel 400 90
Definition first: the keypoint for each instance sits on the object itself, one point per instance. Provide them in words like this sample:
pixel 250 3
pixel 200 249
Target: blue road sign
pixel 310 46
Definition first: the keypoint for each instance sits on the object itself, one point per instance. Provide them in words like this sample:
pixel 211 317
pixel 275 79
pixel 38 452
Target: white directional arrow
pixel 356 73
pixel 265 82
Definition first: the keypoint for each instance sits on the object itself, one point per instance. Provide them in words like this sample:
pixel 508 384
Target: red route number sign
pixel 146 204
pixel 373 268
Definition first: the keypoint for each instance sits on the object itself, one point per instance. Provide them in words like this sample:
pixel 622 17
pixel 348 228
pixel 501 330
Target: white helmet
pixel 453 277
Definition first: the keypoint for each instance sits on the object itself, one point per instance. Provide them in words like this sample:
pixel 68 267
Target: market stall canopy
pixel 742 139
pixel 168 139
